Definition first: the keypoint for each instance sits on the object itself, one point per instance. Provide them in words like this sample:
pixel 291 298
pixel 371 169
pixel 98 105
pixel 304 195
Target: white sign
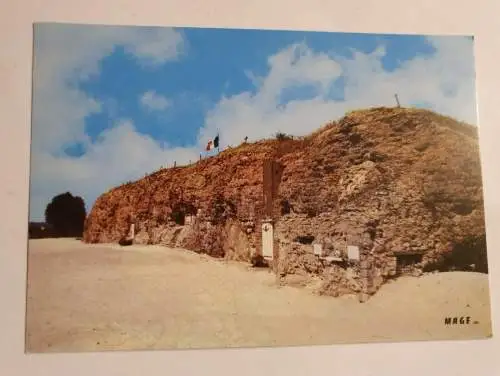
pixel 353 252
pixel 318 249
pixel 267 240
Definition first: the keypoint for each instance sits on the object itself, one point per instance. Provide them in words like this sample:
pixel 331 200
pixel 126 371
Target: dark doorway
pixel 405 262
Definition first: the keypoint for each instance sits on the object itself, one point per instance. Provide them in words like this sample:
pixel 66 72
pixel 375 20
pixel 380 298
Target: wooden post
pixel 268 188
pixel 365 275
pixel 346 243
pixel 272 171
pixel 397 100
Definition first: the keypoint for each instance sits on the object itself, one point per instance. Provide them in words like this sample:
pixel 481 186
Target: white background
pixel 479 17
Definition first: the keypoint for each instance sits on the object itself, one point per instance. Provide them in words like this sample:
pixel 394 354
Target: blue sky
pixel 112 103
pixel 226 55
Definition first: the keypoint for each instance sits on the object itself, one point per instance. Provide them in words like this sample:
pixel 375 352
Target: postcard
pixel 195 188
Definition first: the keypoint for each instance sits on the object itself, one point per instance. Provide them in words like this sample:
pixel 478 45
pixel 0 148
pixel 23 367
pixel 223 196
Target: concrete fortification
pixel 381 192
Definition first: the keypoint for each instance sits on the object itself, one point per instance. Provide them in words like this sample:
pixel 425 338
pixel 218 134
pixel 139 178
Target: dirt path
pixel 103 297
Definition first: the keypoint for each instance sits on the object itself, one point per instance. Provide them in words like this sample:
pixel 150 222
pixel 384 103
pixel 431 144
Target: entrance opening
pixel 304 239
pixel 179 217
pixel 405 262
pixel 469 254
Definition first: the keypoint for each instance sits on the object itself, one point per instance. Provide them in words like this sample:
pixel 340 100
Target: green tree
pixel 66 213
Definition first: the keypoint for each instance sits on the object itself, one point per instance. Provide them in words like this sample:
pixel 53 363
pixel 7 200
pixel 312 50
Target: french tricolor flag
pixel 212 144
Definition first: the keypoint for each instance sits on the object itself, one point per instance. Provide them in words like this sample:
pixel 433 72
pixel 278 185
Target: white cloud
pixel 66 55
pixel 298 65
pixel 120 154
pixel 153 47
pixel 445 80
pixel 153 101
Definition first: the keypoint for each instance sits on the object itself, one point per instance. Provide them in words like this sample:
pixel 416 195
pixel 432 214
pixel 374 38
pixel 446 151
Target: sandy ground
pixel 103 297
